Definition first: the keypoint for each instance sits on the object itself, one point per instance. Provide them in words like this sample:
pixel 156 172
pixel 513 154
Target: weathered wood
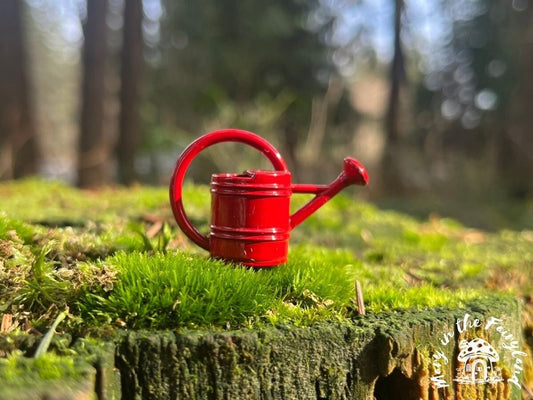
pixel 390 356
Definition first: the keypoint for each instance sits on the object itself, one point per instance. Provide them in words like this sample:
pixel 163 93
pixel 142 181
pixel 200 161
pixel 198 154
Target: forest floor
pixel 114 258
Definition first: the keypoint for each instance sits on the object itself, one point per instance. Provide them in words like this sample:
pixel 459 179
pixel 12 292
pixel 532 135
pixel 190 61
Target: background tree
pixel 391 175
pixel 93 152
pixel 18 145
pixel 129 138
pixel 515 158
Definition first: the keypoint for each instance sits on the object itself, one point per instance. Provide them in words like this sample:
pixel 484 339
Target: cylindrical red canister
pixel 250 217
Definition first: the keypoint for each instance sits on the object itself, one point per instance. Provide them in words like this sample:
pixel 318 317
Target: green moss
pixel 172 290
pixel 49 376
pixel 16 230
pixel 19 371
pixel 178 289
pixel 57 204
pixel 98 252
pixel 166 290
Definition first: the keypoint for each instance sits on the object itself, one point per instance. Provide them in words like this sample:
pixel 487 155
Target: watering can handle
pixel 185 159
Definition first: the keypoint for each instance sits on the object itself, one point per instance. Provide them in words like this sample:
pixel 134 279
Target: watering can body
pixel 250 217
pixel 250 212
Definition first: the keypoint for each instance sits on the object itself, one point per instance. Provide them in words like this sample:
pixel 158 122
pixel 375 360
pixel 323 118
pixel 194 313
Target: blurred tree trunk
pixel 390 168
pixel 131 75
pixel 515 145
pixel 92 151
pixel 18 148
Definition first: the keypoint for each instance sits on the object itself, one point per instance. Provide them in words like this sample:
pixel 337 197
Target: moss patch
pixel 101 252
pixel 48 376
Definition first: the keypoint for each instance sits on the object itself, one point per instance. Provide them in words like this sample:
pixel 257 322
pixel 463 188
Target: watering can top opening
pixel 253 177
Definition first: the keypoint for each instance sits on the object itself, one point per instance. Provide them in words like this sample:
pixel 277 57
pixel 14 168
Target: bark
pixel 92 151
pixel 131 74
pixel 18 148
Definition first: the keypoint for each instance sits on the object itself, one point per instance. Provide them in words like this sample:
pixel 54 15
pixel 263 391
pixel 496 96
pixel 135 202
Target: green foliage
pixel 41 288
pixel 47 338
pixel 258 67
pixel 160 244
pixel 212 67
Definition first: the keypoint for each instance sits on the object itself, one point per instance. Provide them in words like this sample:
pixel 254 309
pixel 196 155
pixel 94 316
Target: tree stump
pixel 397 355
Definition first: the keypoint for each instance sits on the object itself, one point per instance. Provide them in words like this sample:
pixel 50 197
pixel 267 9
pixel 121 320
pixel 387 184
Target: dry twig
pixel 360 300
pixel 7 323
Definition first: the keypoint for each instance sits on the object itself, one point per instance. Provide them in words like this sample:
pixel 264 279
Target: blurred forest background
pixel 435 97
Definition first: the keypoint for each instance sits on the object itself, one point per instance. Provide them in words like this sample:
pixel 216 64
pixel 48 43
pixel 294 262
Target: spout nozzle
pixel 354 172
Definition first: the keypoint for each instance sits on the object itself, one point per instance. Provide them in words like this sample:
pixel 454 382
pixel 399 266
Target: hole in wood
pixel 396 386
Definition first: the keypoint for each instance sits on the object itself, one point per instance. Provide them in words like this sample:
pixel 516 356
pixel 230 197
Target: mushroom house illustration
pixel 477 362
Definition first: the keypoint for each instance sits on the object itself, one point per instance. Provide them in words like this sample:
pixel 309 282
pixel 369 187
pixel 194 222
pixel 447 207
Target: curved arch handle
pixel 185 159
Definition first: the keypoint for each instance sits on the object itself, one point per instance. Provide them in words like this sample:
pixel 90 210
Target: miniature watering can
pixel 250 212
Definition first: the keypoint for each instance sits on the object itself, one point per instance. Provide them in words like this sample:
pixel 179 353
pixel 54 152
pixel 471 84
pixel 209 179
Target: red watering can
pixel 250 212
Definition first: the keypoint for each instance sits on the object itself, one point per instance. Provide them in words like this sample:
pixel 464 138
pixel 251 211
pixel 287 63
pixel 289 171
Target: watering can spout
pixel 353 173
